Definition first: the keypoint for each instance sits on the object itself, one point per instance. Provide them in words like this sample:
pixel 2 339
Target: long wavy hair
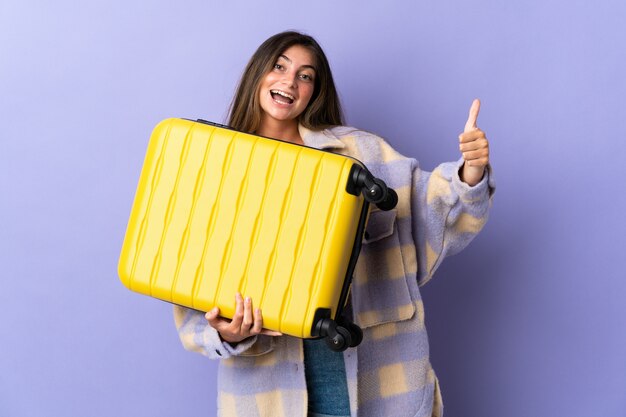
pixel 323 110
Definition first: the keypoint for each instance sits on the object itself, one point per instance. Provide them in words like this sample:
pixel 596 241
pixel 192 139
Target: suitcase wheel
pixel 340 334
pixel 374 190
pixel 340 340
pixel 356 334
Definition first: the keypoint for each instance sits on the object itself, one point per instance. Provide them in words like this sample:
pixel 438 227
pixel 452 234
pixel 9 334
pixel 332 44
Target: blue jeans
pixel 325 373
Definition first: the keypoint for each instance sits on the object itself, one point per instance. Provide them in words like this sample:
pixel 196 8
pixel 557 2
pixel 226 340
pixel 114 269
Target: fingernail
pixel 247 300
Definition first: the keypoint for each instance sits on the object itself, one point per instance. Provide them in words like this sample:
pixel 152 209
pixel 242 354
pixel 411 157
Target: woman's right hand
pixel 245 322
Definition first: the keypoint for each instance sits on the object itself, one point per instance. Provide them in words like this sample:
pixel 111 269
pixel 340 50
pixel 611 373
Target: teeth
pixel 282 93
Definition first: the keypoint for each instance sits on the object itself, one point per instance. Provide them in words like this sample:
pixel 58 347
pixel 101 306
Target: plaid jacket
pixel 389 373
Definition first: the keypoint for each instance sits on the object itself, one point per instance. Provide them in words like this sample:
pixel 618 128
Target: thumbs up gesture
pixel 474 147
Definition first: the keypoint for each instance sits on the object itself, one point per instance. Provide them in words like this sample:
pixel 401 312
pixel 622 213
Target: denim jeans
pixel 325 373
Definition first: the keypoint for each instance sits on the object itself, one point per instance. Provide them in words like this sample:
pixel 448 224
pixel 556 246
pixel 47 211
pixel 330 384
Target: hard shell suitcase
pixel 219 211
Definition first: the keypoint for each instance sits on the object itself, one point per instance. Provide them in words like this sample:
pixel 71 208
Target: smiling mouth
pixel 282 97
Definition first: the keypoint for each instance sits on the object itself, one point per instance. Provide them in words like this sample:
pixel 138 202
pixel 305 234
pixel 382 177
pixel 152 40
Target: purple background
pixel 528 321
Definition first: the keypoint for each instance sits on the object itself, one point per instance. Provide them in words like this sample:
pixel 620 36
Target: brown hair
pixel 323 110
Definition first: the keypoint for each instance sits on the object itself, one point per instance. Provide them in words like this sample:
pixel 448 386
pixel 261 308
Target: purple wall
pixel 528 321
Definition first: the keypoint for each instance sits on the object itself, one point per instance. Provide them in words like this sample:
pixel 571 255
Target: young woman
pixel 287 92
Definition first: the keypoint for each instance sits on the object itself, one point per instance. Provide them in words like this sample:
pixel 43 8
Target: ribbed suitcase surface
pixel 219 211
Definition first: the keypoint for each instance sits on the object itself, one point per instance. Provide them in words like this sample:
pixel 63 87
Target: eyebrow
pixel 286 58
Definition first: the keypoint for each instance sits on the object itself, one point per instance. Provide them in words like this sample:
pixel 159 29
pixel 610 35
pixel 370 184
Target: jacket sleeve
pixel 197 336
pixel 447 213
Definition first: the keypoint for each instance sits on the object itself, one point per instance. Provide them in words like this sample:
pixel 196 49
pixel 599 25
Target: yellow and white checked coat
pixel 389 374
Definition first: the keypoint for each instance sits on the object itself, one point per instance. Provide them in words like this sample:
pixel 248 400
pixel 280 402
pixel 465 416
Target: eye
pixel 278 67
pixel 306 77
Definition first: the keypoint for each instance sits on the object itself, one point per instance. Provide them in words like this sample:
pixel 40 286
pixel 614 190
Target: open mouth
pixel 282 97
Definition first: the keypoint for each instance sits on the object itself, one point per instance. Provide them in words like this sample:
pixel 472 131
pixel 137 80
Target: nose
pixel 289 79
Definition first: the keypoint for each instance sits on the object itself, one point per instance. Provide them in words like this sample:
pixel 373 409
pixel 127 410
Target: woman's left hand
pixel 474 147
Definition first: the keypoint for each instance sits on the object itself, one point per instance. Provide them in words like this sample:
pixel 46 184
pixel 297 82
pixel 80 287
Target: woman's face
pixel 286 90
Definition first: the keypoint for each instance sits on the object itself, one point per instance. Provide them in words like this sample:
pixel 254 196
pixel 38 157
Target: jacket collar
pixel 322 139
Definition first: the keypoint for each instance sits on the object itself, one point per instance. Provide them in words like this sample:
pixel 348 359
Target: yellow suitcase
pixel 219 211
